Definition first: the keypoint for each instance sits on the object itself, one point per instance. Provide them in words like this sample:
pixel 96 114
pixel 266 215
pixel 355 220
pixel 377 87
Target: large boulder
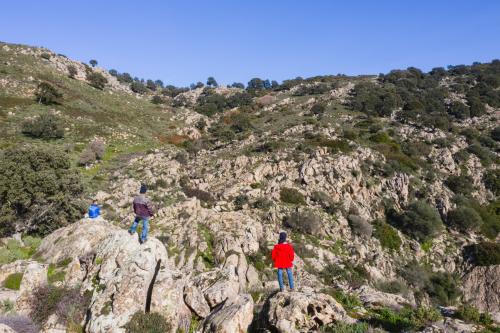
pixel 293 312
pixel 196 301
pixel 374 298
pixel 75 240
pixel 233 317
pixel 482 289
pixel 127 277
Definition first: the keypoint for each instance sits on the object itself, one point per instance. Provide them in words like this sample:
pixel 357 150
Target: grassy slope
pixel 128 124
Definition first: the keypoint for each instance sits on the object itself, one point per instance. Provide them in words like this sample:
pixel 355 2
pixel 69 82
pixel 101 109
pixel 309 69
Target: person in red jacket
pixel 283 255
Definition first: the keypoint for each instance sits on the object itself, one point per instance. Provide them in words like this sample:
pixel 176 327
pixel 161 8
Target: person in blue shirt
pixel 94 210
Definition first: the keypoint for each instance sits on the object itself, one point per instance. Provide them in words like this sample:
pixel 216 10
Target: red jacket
pixel 283 255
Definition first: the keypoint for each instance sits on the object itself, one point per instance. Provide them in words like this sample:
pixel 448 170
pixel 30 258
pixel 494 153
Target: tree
pixel 39 191
pixel 459 110
pixel 72 71
pixel 211 82
pixel 93 62
pixel 138 87
pixel 274 84
pixel 159 83
pixel 266 84
pixel 47 94
pixel 255 84
pixel 45 126
pixel 97 80
pixel 125 77
pixel 464 219
pixel 238 85
pixel 151 85
pixel 113 72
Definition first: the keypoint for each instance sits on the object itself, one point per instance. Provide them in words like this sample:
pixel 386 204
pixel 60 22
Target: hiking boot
pixel 131 232
pixel 143 241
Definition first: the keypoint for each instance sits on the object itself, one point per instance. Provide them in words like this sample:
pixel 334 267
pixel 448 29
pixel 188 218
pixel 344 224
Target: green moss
pixel 147 323
pixel 13 281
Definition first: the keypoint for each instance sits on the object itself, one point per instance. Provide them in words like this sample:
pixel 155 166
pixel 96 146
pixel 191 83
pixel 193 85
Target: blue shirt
pixel 94 211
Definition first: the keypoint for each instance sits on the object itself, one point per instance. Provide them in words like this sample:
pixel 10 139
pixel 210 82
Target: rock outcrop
pixel 234 316
pixel 293 312
pixel 482 288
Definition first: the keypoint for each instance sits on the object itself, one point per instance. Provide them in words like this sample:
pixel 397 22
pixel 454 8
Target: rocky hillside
pixel 386 185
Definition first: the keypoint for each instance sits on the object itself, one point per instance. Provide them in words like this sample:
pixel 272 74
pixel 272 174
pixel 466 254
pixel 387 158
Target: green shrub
pixel 72 71
pixel 66 303
pixel 392 287
pixel 464 219
pixel 334 146
pixel 138 87
pixel 340 327
pixel 318 109
pixel 306 221
pixel 354 275
pixel 45 126
pixel 262 203
pixel 420 221
pixel 13 281
pixel 39 191
pixel 483 154
pixel 483 253
pixel 47 94
pixel 349 301
pixel 147 323
pixel 54 274
pixel 495 133
pixel 406 320
pixel 97 80
pixel 443 288
pixel 292 196
pixel 468 313
pixel 460 184
pixel 491 180
pixel 388 237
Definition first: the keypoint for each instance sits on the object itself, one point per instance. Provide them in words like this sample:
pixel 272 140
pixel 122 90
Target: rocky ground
pixel 222 202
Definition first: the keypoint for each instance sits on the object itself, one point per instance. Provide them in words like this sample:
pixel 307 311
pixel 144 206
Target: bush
pixel 147 323
pixel 13 281
pixel 464 219
pixel 349 301
pixel 240 201
pixel 47 94
pixel 66 303
pixel 39 192
pixel 354 275
pixel 94 151
pixel 325 201
pixel 46 56
pixel 157 100
pixel 304 221
pixel 388 237
pixel 262 203
pixel 318 109
pixel 495 133
pixel 360 226
pixel 460 184
pixel 406 320
pixel 45 126
pixel 292 196
pixel 19 323
pixel 340 327
pixel 483 154
pixel 483 253
pixel 391 287
pixel 72 71
pixel 443 288
pixel 97 80
pixel 138 87
pixel 491 180
pixel 421 221
pixel 470 314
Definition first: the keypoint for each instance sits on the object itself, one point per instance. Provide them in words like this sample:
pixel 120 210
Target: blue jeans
pixel 290 278
pixel 145 227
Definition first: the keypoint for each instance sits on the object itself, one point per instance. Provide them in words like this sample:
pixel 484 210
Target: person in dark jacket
pixel 283 255
pixel 143 211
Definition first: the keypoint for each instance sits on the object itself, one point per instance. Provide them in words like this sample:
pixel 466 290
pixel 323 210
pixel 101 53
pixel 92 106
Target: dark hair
pixel 143 189
pixel 282 238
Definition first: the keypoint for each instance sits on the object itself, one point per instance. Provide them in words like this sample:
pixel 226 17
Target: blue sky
pixel 181 42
